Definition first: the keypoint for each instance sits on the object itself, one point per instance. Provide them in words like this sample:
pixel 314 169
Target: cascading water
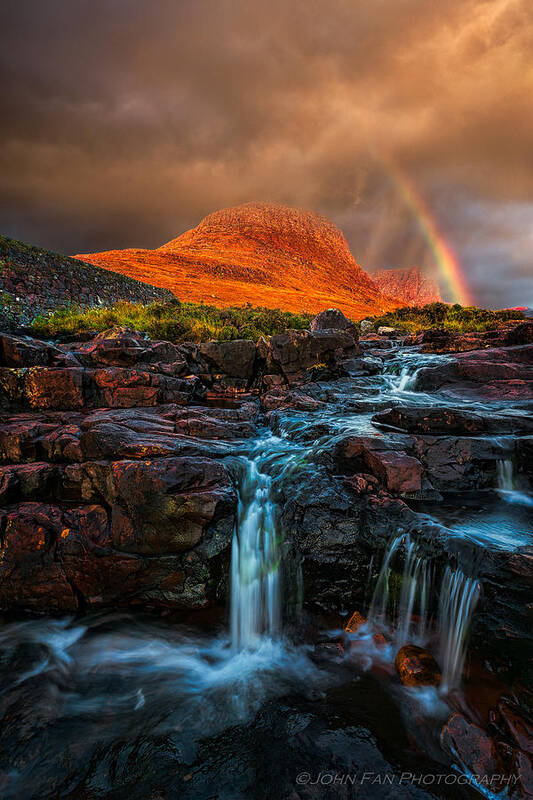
pixel 506 484
pixel 414 593
pixel 458 599
pixel 504 471
pixel 255 603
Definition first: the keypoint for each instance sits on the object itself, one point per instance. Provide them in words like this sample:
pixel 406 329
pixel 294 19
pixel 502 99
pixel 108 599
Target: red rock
pixel 417 667
pixel 355 622
pixel 471 745
pixel 54 388
pixel 399 473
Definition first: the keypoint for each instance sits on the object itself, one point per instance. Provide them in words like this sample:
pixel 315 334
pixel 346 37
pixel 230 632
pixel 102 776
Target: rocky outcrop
pixel 499 373
pixel 410 286
pixel 35 281
pixel 446 420
pixel 269 255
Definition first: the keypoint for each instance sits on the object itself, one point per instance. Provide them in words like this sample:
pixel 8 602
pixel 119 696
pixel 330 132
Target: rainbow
pixel 446 260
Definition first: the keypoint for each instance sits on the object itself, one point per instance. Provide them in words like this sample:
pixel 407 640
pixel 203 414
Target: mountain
pixel 257 253
pixel 410 286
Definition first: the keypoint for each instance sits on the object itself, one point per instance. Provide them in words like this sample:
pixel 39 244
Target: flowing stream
pixel 123 679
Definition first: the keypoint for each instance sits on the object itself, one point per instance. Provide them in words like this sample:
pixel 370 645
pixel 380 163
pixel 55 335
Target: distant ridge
pixel 409 286
pixel 258 253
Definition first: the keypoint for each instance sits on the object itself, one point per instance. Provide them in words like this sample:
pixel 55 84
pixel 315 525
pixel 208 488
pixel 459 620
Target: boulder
pixel 417 667
pixel 333 320
pixel 294 354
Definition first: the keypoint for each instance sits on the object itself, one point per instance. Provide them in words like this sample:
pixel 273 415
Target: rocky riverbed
pixel 229 565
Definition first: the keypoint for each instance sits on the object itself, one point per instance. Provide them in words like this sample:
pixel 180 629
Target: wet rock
pixel 520 729
pixel 397 471
pixel 127 551
pixel 471 745
pixel 446 420
pixel 504 373
pixel 356 621
pixel 400 474
pixel 417 667
pixel 523 770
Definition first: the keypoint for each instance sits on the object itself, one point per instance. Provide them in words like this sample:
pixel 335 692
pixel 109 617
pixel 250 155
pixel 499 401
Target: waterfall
pixel 407 380
pixel 255 604
pixel 505 475
pixel 413 594
pixel 458 598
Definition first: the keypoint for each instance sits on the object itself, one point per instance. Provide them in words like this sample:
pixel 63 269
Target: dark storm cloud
pixel 125 121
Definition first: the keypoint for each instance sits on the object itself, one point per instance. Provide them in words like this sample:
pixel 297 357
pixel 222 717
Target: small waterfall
pixel 504 472
pixel 255 604
pixel 413 593
pixel 407 380
pixel 458 599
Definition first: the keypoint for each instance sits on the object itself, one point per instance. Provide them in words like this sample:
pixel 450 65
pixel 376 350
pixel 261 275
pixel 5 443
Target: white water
pixel 505 475
pixel 409 614
pixel 414 593
pixel 255 601
pixel 507 484
pixel 458 599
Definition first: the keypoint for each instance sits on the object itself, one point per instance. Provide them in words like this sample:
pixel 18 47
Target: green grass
pixel 173 321
pixel 451 318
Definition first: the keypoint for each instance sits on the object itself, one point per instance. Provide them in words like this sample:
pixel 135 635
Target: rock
pixel 504 373
pixel 158 541
pixel 520 729
pixel 79 387
pixel 417 667
pixel 397 471
pixel 17 351
pixel 356 621
pixel 471 745
pixel 523 769
pixel 295 353
pixel 234 360
pixel 400 474
pixel 384 330
pixel 333 319
pixel 366 326
pixel 447 420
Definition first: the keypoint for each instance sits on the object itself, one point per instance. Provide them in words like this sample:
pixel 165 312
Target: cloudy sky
pixel 124 122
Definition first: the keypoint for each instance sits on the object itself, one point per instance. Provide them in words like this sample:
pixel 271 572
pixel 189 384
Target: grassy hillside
pixel 173 321
pixel 441 315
